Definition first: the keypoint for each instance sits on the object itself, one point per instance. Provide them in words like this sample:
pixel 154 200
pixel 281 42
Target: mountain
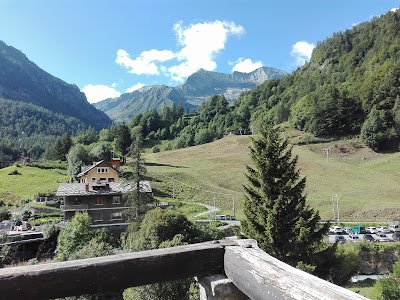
pixel 22 80
pixel 197 88
pixel 203 84
pixel 127 105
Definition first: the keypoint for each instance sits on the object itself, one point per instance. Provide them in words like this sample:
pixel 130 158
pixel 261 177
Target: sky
pixel 108 48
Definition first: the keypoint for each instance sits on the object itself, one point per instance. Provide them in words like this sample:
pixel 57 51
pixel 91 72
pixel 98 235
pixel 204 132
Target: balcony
pixel 74 207
pixel 224 269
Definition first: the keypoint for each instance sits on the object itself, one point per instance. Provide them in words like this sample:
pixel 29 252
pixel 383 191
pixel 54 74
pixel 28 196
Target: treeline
pixel 31 129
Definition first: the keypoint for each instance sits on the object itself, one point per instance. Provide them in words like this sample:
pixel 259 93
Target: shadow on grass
pixel 162 165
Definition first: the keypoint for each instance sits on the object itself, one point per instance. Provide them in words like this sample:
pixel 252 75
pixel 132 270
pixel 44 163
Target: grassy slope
pixel 367 183
pixel 30 182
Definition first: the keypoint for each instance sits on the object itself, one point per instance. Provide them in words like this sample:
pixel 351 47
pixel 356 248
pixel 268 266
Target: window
pixel 116 216
pixel 98 217
pixel 110 179
pixel 83 180
pixel 93 179
pixel 98 201
pixel 102 179
pixel 77 201
pixel 102 170
pixel 116 200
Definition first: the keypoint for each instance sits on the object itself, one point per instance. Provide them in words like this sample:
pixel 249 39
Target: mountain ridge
pixel 197 88
pixel 22 80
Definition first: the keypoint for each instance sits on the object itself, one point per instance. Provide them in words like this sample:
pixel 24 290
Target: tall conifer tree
pixel 277 215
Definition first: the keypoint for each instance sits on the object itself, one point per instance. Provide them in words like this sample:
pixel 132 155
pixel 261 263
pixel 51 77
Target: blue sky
pixel 111 47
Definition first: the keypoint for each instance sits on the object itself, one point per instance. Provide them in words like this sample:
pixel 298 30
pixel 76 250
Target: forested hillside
pixel 22 80
pixel 37 128
pixel 350 86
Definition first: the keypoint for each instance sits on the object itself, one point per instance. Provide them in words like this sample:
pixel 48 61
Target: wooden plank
pixel 261 276
pixel 109 273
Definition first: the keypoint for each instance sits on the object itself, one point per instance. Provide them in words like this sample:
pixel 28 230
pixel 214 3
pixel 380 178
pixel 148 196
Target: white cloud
pixel 145 63
pixel 394 9
pixel 96 93
pixel 200 44
pixel 135 87
pixel 302 52
pixel 246 65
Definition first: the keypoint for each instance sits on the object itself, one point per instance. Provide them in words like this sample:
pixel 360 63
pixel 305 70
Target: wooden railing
pixel 256 274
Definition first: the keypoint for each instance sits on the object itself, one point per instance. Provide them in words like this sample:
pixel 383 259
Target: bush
pixel 155 149
pixel 14 172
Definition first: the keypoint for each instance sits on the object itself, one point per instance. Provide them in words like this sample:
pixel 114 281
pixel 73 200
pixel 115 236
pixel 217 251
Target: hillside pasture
pixel 363 184
pixel 21 182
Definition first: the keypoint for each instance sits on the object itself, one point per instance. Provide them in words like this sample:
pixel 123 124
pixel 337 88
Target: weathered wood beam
pixel 111 273
pixel 261 276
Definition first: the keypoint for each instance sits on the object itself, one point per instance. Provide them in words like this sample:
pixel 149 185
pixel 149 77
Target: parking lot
pixel 332 237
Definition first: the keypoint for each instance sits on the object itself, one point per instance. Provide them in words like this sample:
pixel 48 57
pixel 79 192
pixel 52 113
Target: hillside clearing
pixel 364 182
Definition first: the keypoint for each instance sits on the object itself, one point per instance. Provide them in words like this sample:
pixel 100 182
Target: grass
pixel 364 288
pixel 366 182
pixel 29 182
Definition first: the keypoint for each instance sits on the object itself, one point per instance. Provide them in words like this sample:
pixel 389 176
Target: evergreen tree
pixel 122 139
pixel 136 200
pixel 277 215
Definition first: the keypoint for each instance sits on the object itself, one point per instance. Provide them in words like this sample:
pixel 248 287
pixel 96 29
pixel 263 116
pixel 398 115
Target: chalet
pixel 101 171
pixel 102 200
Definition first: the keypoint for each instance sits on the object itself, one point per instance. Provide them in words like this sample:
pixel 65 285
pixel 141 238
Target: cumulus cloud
pixel 145 63
pixel 302 51
pixel 135 87
pixel 200 44
pixel 394 9
pixel 246 65
pixel 96 93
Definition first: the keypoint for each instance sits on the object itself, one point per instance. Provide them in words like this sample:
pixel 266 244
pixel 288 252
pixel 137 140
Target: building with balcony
pixel 102 200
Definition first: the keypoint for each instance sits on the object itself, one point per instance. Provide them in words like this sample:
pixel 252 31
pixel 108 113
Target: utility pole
pixel 233 208
pixel 333 206
pixel 215 210
pixel 337 207
pixel 173 188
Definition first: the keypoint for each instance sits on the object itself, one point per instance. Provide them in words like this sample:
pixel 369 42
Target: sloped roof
pixel 86 169
pixel 79 189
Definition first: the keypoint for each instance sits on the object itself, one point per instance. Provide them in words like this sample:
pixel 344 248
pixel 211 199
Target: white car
pixel 371 229
pixel 383 229
pixel 354 238
pixel 381 237
pixel 335 230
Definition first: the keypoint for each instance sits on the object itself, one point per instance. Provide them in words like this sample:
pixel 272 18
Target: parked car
pixel 396 236
pixel 335 230
pixel 354 237
pixel 340 239
pixel 371 229
pixel 394 228
pixel 383 229
pixel 359 229
pixel 381 237
pixel 368 238
pixel 348 230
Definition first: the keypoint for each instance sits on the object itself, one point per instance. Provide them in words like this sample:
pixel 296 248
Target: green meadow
pixel 364 185
pixel 21 182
